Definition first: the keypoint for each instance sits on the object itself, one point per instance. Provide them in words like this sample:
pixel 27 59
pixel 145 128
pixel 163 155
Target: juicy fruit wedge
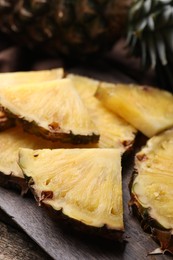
pixel 11 140
pixel 114 131
pixel 17 78
pixel 52 109
pixel 148 109
pixel 152 188
pixel 84 85
pixel 85 184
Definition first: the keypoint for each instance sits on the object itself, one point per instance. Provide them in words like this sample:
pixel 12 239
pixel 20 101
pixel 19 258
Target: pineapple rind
pixel 86 183
pixel 114 131
pixel 147 109
pixel 53 106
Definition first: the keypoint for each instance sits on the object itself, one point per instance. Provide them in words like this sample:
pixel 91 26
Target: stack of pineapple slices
pixel 65 115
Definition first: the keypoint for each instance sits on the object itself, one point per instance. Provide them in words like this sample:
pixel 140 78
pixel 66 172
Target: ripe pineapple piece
pixel 148 109
pixel 83 184
pixel 114 131
pixel 51 109
pixel 11 140
pixel 23 77
pixel 17 78
pixel 152 188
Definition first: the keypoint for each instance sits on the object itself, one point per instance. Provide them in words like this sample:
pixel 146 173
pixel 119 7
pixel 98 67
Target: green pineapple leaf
pixel 150 35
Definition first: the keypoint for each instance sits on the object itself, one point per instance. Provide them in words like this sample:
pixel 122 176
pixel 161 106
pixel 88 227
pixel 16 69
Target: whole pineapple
pixel 79 28
pixel 66 26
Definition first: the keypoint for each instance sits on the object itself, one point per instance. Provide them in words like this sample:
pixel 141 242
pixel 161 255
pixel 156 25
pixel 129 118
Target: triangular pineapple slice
pixel 148 109
pixel 11 140
pixel 17 78
pixel 52 109
pixel 24 77
pixel 152 188
pixel 114 131
pixel 85 184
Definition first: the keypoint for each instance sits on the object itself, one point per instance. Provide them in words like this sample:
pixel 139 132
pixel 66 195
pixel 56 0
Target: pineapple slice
pixel 84 85
pixel 114 131
pixel 11 140
pixel 148 109
pixel 51 109
pixel 152 188
pixel 83 184
pixel 25 77
pixel 17 78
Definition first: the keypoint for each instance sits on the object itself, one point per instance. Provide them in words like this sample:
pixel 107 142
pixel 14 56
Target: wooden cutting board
pixel 64 244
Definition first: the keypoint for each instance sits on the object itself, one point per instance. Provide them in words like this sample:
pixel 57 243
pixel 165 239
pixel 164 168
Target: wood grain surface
pixel 15 244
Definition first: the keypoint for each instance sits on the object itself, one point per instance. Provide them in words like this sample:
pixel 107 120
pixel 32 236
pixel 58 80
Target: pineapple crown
pixel 150 35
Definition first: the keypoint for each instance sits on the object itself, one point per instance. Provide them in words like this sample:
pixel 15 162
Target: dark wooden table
pixel 15 244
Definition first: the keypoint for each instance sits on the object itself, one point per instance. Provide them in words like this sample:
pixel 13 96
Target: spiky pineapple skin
pixel 70 27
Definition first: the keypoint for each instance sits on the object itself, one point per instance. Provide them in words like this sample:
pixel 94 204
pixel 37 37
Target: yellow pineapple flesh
pixel 25 77
pixel 85 184
pixel 17 78
pixel 52 109
pixel 114 131
pixel 152 187
pixel 13 139
pixel 148 109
